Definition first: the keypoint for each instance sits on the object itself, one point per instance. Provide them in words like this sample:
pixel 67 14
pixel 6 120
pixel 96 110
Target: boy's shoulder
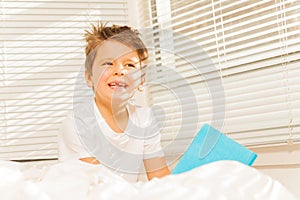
pixel 80 112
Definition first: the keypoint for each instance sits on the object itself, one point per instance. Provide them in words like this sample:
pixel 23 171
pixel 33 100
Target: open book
pixel 211 145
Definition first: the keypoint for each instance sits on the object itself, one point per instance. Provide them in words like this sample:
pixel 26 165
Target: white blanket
pixel 77 180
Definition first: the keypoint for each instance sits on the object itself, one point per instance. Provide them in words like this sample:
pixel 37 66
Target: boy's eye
pixel 107 63
pixel 130 65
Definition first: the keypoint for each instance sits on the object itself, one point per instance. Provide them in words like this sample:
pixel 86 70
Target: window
pixel 42 51
pixel 233 64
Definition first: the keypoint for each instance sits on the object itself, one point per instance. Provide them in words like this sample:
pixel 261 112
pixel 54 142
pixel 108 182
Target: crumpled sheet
pixel 77 180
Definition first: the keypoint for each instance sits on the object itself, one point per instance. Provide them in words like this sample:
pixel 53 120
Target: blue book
pixel 211 145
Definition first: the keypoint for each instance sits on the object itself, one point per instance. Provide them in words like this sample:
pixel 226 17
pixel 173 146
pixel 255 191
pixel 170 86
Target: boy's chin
pixel 122 94
pixel 117 98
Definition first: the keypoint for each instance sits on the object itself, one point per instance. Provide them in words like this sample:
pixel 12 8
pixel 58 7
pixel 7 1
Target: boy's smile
pixel 117 85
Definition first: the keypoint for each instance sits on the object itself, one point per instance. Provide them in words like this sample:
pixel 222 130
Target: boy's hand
pixel 91 160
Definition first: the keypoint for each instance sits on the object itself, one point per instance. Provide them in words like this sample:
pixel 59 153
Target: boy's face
pixel 116 72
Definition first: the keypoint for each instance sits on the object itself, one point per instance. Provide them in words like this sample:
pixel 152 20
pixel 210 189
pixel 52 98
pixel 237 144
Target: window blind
pixel 240 60
pixel 42 52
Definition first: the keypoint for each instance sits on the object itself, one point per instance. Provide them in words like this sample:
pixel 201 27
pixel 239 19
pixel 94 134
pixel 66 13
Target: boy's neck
pixel 115 116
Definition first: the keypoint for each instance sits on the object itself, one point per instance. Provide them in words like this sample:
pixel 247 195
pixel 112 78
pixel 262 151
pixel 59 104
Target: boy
pixel 110 130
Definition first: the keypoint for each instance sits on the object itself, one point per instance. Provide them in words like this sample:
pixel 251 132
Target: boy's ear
pixel 141 85
pixel 88 79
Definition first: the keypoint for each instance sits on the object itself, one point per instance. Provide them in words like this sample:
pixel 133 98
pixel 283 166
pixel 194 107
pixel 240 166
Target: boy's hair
pixel 123 34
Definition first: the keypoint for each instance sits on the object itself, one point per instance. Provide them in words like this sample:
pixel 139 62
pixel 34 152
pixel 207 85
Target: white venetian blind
pixel 42 51
pixel 241 62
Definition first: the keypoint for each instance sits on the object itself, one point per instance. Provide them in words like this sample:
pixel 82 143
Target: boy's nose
pixel 119 70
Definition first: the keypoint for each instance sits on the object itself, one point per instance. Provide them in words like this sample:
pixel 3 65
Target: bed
pixel 77 180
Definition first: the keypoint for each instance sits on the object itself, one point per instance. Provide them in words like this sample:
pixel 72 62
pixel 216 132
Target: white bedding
pixel 77 180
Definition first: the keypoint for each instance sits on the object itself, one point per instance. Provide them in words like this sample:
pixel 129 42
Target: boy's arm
pixel 156 167
pixel 91 160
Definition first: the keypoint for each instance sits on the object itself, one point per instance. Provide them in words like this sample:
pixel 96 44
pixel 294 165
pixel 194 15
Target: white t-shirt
pixel 84 133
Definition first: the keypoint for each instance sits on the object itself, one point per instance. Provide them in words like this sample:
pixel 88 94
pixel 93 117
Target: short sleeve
pixel 69 145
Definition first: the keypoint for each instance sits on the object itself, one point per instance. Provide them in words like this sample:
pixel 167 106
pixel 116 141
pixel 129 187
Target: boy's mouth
pixel 117 84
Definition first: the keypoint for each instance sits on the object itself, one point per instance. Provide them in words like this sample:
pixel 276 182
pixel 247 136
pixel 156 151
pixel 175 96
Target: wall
pixel 281 163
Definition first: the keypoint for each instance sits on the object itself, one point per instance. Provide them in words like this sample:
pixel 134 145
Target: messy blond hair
pixel 124 34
